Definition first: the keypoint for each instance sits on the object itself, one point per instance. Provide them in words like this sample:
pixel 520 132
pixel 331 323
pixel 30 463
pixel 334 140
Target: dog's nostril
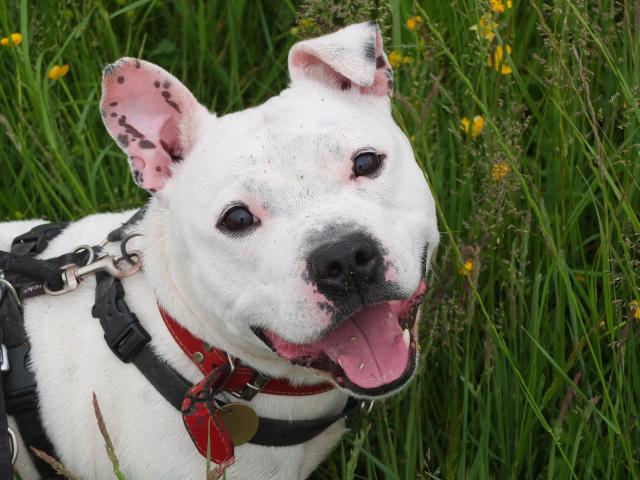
pixel 363 257
pixel 334 269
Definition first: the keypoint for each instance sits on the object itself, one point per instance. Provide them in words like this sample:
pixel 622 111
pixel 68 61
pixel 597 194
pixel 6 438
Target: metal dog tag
pixel 241 422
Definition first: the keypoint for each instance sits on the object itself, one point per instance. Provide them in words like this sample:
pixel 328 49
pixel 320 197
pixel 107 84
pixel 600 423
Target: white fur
pixel 290 161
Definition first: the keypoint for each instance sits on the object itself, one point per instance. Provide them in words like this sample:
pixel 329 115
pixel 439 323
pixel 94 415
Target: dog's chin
pixel 371 353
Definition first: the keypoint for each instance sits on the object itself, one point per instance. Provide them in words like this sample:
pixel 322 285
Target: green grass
pixel 530 364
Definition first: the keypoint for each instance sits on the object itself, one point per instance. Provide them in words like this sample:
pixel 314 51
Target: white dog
pixel 295 236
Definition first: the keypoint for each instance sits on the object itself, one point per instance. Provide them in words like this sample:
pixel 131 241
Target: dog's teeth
pixel 406 336
pixel 361 366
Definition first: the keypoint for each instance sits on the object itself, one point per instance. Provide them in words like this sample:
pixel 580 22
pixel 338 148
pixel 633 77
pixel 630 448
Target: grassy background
pixel 530 353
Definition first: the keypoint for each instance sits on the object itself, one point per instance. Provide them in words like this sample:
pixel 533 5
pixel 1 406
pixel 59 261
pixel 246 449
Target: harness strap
pixel 18 386
pixel 118 322
pixel 129 341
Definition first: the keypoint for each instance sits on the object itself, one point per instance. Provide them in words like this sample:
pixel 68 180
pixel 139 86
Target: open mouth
pixel 371 353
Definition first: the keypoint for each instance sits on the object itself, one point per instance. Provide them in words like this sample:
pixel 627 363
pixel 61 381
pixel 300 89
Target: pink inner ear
pixel 143 108
pixel 316 68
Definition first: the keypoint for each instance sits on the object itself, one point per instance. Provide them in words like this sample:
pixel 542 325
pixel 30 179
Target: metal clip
pixel 72 274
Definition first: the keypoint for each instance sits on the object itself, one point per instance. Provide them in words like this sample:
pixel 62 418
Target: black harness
pixel 21 277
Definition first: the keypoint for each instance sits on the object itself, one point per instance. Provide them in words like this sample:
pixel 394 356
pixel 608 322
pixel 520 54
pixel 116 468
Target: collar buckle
pixel 252 388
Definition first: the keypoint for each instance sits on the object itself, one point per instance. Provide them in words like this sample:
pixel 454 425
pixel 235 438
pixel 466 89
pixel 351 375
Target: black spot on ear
pixel 158 169
pixel 167 98
pixel 370 51
pixel 120 79
pixel 380 63
pixel 156 84
pixel 123 140
pixel 109 69
pixel 147 144
pixel 166 84
pixel 122 121
pixel 345 85
pixel 114 115
pixel 113 104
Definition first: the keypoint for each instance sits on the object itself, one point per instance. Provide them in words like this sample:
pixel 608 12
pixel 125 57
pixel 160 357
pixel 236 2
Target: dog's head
pixel 303 226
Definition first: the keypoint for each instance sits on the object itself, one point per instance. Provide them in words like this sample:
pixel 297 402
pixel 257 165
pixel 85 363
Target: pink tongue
pixel 369 347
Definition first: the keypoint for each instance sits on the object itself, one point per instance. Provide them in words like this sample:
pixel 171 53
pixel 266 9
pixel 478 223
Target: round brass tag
pixel 241 422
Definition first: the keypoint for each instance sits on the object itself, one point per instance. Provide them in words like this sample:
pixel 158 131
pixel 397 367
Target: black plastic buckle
pixel 19 382
pixel 128 342
pixel 123 333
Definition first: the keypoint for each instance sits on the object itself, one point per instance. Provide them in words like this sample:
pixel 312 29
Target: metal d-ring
pixel 126 255
pixel 89 249
pixel 11 290
pixel 13 445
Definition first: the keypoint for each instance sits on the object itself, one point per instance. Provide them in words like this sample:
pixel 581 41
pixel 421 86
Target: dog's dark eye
pixel 237 218
pixel 366 164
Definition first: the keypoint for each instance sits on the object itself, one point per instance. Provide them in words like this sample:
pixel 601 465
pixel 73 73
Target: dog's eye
pixel 237 218
pixel 366 163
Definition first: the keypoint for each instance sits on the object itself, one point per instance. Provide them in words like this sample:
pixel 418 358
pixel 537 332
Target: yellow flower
pixel 635 309
pixel 500 170
pixel 396 59
pixel 486 26
pixel 413 22
pixel 498 61
pixel 477 127
pixel 58 71
pixel 16 39
pixel 473 127
pixel 497 6
pixel 466 268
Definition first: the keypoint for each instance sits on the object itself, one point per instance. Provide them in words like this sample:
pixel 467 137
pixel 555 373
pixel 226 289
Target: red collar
pixel 243 381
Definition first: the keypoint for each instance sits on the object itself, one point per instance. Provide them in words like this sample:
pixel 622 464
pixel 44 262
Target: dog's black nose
pixel 350 265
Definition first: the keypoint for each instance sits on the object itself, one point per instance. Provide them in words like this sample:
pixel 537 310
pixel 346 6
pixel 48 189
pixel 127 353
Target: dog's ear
pixel 151 116
pixel 351 58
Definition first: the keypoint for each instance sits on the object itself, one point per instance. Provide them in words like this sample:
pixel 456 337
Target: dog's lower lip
pixel 320 360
